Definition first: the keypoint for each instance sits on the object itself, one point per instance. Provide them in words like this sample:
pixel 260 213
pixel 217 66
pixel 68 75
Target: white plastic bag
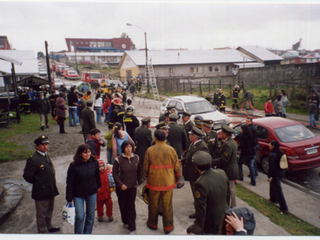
pixel 71 214
pixel 65 212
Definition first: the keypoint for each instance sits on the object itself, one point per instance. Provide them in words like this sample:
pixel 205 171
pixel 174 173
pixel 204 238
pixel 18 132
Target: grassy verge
pixel 10 137
pixel 288 222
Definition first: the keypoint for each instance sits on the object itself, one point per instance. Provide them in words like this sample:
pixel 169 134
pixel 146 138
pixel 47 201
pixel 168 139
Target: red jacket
pixel 106 105
pixel 268 108
pixel 104 192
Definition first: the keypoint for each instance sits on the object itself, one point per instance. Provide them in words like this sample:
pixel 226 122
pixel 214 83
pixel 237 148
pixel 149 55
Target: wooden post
pixel 230 91
pixel 275 90
pixel 165 85
pixel 190 86
pixel 288 91
pixel 184 88
pixel 293 90
pixel 200 88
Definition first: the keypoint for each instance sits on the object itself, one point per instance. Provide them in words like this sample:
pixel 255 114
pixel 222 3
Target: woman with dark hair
pixel 119 136
pixel 61 111
pixel 98 107
pixel 126 172
pixel 278 106
pixel 275 175
pixel 285 102
pixel 83 183
pixel 246 145
pixel 106 106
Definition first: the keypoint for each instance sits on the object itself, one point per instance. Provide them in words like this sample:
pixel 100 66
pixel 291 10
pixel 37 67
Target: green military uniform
pixel 143 140
pixel 227 160
pixel 211 138
pixel 177 137
pixel 212 195
pixel 190 172
pixel 40 172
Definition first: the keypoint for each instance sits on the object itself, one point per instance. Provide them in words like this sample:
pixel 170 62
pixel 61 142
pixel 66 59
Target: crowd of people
pixel 135 155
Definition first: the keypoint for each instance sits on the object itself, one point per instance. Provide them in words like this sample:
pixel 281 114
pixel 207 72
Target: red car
pixel 72 75
pixel 300 145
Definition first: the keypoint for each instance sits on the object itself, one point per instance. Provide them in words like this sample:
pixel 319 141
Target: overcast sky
pixel 182 24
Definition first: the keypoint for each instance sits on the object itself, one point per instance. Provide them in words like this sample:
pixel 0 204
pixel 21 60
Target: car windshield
pixel 72 72
pixel 293 133
pixel 199 107
pixel 95 75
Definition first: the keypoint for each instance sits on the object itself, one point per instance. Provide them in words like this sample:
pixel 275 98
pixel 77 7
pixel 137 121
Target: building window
pixel 81 42
pixel 303 60
pixel 93 44
pixel 108 44
pixel 86 42
pixel 191 69
pixel 210 69
pixel 77 42
pixel 101 44
pixel 198 69
pixel 216 69
pixel 292 61
pixel 227 68
pixel 171 70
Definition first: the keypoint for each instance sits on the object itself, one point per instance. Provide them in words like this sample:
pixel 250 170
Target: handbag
pixel 283 162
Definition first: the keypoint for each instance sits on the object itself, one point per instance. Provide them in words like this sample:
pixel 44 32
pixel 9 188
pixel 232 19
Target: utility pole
pixel 48 65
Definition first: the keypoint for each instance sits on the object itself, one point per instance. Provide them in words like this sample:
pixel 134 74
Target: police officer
pixel 222 101
pixel 40 172
pixel 235 96
pixel 177 137
pixel 187 123
pixel 227 160
pixel 211 137
pixel 143 140
pixel 198 121
pixel 163 126
pixel 190 172
pixel 212 194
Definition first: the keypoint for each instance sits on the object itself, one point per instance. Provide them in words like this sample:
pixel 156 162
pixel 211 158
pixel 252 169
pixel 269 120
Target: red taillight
pixel 291 153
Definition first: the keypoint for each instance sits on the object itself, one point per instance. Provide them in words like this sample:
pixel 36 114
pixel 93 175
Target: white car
pixel 42 72
pixel 58 83
pixel 196 106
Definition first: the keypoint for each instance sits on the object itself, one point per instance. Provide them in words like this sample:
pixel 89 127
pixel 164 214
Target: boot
pixel 284 115
pixel 232 106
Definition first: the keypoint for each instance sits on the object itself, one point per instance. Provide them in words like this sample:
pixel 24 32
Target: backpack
pixel 283 162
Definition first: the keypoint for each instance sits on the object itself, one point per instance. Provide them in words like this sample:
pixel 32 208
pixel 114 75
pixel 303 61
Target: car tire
pixel 265 164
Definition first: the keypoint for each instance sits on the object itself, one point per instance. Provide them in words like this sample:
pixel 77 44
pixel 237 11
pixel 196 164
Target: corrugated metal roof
pixel 261 53
pixel 97 54
pixel 29 63
pixel 178 57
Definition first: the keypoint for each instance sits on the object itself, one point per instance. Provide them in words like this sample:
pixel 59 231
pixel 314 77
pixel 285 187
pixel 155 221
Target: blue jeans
pixel 312 120
pixel 80 216
pixel 98 114
pixel 110 157
pixel 256 147
pixel 250 164
pixel 106 119
pixel 72 116
pixel 284 111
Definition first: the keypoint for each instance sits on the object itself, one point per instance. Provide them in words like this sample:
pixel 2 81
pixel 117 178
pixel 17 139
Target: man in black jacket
pixel 253 130
pixel 39 171
pixel 72 106
pixel 143 140
pixel 43 107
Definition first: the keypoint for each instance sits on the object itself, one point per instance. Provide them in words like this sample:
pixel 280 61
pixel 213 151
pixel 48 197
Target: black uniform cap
pixel 41 139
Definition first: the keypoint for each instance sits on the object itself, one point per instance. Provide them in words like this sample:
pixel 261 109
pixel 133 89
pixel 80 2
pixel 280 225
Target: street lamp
pixel 146 49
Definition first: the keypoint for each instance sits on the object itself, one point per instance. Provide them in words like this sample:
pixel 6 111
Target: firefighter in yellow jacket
pixel 161 165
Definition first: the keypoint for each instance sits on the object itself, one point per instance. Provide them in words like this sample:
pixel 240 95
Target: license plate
pixel 311 151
